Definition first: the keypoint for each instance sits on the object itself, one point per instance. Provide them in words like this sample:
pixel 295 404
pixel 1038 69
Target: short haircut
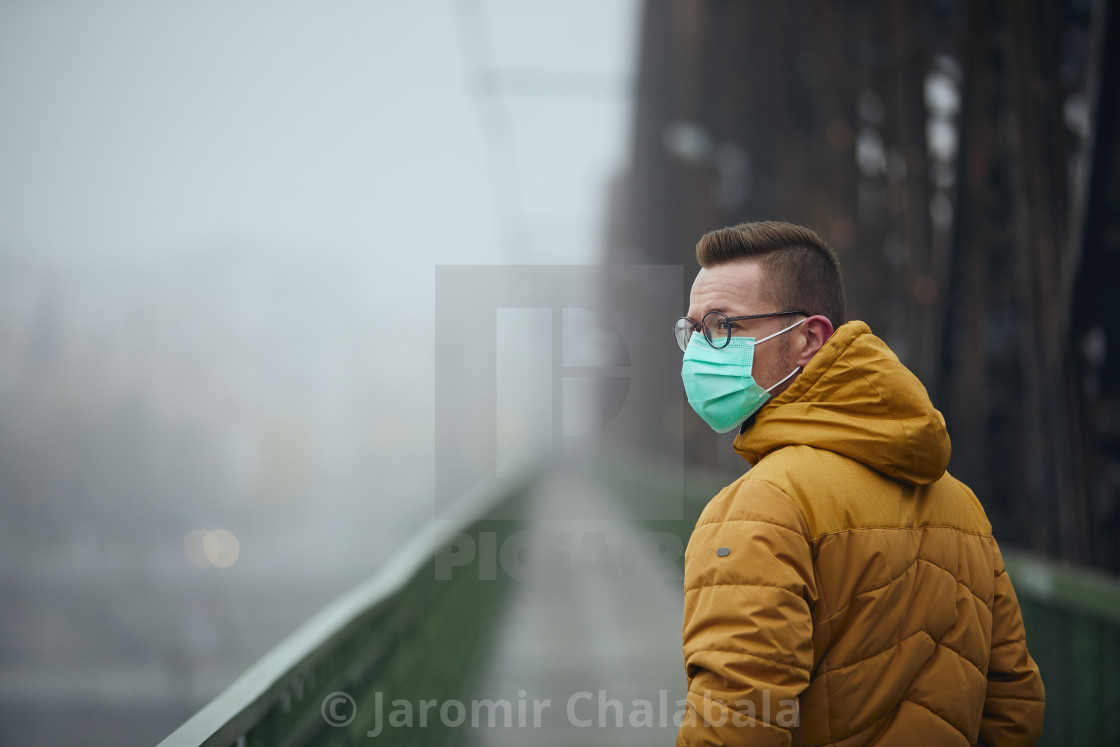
pixel 800 271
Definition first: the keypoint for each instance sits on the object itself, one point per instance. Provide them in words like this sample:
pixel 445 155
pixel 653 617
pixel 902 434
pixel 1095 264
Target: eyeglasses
pixel 717 327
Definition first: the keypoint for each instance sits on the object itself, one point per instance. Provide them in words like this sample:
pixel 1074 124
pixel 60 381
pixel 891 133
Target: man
pixel 846 590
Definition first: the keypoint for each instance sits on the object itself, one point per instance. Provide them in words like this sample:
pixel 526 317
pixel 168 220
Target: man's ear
pixel 817 330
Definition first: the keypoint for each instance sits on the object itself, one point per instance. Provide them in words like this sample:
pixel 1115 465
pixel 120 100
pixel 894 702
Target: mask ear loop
pixel 796 369
pixel 781 331
pixel 791 373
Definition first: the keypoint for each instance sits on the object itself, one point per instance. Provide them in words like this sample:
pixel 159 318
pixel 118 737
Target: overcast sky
pixel 157 128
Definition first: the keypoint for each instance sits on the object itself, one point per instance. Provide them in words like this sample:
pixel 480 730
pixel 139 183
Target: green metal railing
pixel 1072 617
pixel 418 630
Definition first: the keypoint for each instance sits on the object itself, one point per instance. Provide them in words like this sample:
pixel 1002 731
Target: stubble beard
pixel 781 366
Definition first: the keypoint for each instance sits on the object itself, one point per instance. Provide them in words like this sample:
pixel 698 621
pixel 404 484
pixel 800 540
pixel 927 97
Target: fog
pixel 220 225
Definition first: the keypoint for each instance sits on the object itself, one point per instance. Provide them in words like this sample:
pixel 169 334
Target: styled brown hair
pixel 801 271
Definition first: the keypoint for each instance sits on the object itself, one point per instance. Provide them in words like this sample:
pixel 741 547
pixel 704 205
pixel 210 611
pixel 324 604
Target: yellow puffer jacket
pixel 847 590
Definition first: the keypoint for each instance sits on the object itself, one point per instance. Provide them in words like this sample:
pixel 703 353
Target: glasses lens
pixel 682 330
pixel 717 329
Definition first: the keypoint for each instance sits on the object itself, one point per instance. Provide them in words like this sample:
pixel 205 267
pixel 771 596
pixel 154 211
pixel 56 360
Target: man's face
pixel 735 289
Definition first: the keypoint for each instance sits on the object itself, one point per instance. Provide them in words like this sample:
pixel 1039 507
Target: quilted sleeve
pixel 747 630
pixel 1015 699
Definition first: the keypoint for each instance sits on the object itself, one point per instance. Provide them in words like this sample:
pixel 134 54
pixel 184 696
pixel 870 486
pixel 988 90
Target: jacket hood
pixel 856 398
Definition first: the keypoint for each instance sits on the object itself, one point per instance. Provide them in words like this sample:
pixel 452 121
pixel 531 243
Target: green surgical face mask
pixel 719 382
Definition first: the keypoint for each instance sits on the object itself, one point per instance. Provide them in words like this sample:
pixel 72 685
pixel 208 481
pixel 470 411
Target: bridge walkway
pixel 594 629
